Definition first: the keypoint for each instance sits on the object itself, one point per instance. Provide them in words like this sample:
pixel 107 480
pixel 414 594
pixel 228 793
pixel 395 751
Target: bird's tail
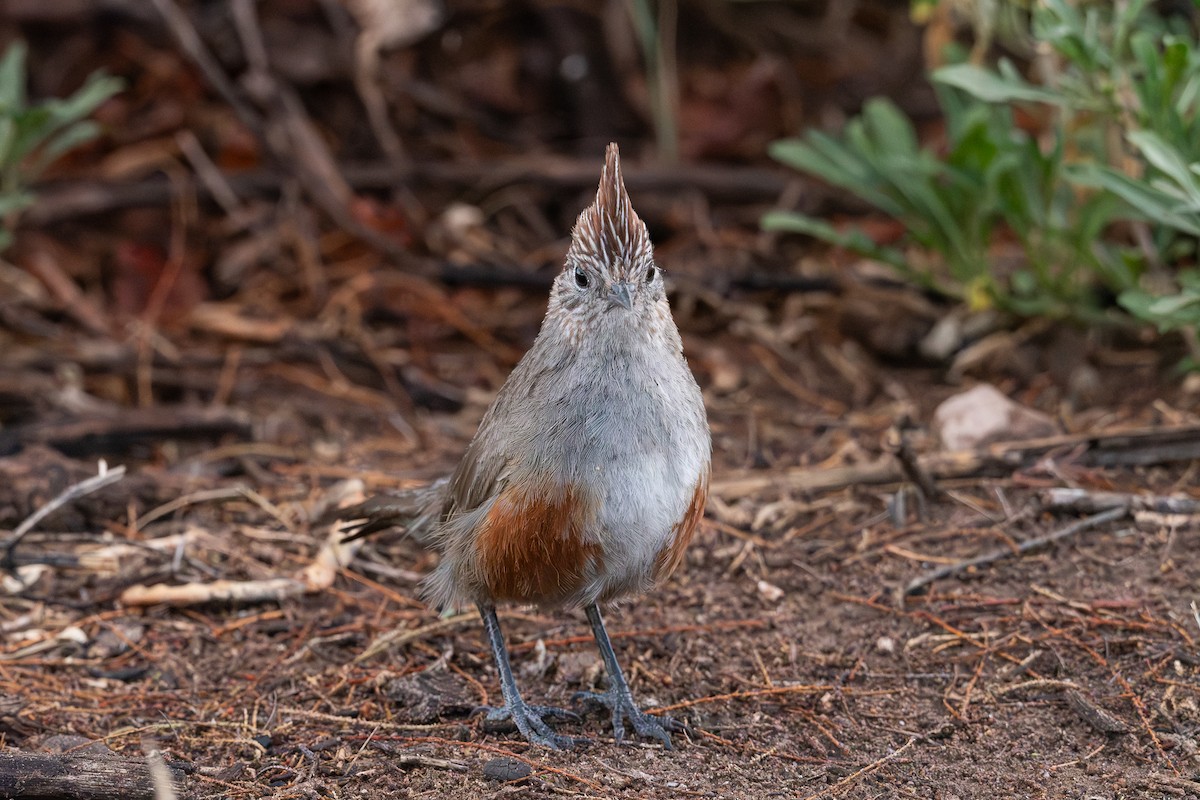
pixel 416 510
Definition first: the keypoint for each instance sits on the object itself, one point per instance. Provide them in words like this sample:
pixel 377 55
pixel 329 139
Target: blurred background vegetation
pixel 1084 156
pixel 1036 158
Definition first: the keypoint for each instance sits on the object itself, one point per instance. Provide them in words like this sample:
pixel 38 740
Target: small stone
pixel 943 340
pixel 982 415
pixel 461 218
pixel 952 332
pixel 505 768
pixel 885 644
pixel 770 592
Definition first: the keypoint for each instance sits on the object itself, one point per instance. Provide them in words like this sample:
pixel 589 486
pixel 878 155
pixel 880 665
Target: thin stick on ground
pixel 1134 699
pixel 867 770
pixel 377 725
pixel 1100 449
pixel 1007 552
pixel 204 496
pixel 716 698
pixel 1088 501
pixel 393 639
pixel 104 477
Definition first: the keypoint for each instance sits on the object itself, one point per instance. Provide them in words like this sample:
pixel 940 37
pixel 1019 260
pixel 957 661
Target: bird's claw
pixel 531 721
pixel 623 710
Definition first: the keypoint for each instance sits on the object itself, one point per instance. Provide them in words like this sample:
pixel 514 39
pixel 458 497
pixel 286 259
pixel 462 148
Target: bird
pixel 588 474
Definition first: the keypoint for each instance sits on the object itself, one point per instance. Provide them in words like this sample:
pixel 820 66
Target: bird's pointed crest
pixel 609 232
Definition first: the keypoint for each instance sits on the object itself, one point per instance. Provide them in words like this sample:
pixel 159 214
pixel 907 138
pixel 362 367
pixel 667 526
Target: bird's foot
pixel 623 709
pixel 531 721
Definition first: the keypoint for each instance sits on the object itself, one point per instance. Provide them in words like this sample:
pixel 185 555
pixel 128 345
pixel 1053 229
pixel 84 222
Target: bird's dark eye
pixel 650 273
pixel 581 278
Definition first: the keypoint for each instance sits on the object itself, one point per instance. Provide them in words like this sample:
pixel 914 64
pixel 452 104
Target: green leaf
pixel 854 240
pixel 837 165
pixel 1169 161
pixel 98 88
pixel 14 201
pixel 890 127
pixel 1151 203
pixel 12 78
pixel 8 137
pixel 32 126
pixel 62 142
pixel 992 88
pixel 1175 305
pixel 1167 312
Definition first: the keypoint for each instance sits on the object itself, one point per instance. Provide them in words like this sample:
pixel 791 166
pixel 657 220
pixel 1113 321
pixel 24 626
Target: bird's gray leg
pixel 530 720
pixel 618 698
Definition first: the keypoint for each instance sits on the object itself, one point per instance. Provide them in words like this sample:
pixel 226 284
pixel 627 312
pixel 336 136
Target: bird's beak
pixel 619 295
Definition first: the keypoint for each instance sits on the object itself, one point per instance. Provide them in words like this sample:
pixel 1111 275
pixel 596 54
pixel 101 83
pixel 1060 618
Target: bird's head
pixel 610 265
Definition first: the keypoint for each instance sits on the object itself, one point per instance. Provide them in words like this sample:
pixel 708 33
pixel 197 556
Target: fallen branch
pixel 318 575
pixel 1094 715
pixel 104 433
pixel 1083 501
pixel 190 594
pixel 62 201
pixel 1008 552
pixel 77 776
pixel 1137 447
pixel 411 760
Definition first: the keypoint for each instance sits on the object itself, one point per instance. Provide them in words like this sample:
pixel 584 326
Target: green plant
pixel 1108 70
pixel 1119 89
pixel 1171 312
pixel 1126 84
pixel 34 135
pixel 1168 192
pixel 993 181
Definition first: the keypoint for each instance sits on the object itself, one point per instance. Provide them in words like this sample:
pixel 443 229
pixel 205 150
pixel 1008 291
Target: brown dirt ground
pixel 821 687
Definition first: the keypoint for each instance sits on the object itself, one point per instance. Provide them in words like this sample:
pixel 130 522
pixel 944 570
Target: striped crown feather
pixel 609 232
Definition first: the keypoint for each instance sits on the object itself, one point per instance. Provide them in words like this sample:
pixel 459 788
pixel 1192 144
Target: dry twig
pixel 1095 716
pixel 1007 552
pixel 1105 449
pixel 393 639
pixel 867 770
pixel 102 478
pixel 190 594
pixel 61 202
pixel 1086 501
